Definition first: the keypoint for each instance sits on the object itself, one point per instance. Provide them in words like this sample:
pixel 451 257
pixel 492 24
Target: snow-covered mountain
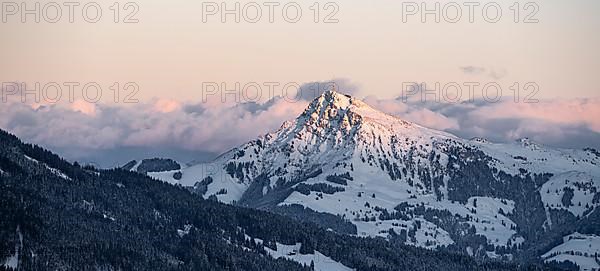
pixel 346 161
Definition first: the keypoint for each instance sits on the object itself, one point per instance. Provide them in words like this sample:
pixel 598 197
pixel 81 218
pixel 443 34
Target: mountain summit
pixel 335 109
pixel 342 162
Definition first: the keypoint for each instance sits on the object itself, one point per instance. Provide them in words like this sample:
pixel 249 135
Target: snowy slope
pixel 580 249
pixel 342 157
pixel 321 262
pixel 292 252
pixel 583 187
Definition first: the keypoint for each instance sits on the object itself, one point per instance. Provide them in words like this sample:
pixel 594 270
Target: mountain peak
pixel 331 108
pixel 337 110
pixel 334 99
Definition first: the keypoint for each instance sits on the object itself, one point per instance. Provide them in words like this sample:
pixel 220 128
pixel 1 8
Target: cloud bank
pixel 80 129
pixel 567 123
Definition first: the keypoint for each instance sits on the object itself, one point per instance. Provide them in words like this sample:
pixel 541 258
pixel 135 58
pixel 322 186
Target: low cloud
pixel 80 127
pixel 494 73
pixel 82 130
pixel 571 123
pixel 84 107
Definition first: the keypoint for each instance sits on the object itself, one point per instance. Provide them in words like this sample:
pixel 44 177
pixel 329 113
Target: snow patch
pixel 58 173
pixel 108 216
pixel 13 260
pixel 185 231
